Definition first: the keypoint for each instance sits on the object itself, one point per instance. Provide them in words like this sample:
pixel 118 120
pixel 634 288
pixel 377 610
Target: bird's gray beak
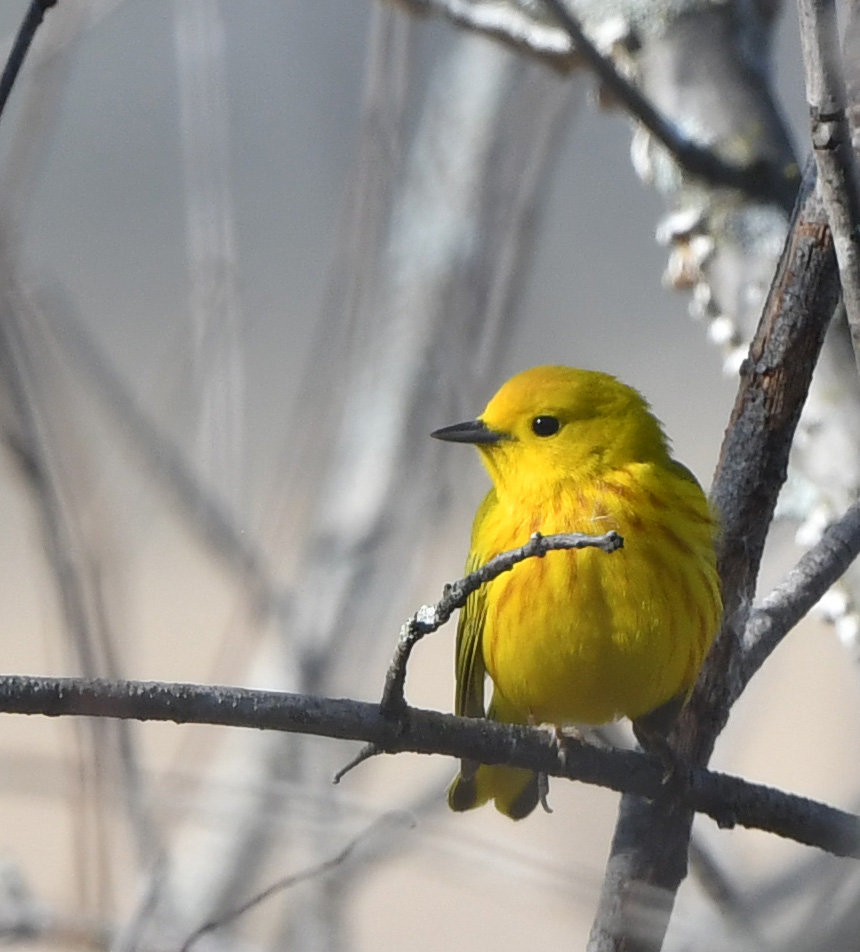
pixel 473 431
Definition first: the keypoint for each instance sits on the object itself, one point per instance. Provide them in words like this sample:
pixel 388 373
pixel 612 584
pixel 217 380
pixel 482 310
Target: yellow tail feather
pixel 514 790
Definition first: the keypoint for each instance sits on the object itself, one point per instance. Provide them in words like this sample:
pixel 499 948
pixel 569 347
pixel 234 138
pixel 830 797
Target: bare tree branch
pixel 753 461
pixel 728 800
pixel 759 180
pixel 507 22
pixel 831 142
pixel 566 47
pixel 783 608
pixel 287 882
pixel 204 510
pixel 31 22
pixel 430 618
pixel 651 841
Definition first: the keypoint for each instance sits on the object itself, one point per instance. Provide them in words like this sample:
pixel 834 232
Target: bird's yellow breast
pixel 585 636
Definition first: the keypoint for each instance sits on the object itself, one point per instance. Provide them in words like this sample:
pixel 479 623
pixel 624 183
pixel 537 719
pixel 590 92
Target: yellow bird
pixel 580 636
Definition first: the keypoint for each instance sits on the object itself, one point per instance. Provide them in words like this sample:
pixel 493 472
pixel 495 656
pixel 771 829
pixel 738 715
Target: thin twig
pixel 804 585
pixel 506 22
pixel 831 142
pixel 366 753
pixel 728 800
pixel 31 22
pixel 429 618
pixel 287 882
pixel 759 180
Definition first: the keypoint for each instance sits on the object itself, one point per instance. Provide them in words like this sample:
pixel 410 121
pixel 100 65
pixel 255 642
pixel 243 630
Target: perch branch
pixel 728 800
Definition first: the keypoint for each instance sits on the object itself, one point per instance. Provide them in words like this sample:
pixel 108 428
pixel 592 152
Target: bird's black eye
pixel 545 425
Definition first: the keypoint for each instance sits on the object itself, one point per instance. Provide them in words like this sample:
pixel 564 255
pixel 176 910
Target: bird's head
pixel 552 425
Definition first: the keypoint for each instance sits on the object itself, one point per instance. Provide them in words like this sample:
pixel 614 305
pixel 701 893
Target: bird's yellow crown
pixel 556 424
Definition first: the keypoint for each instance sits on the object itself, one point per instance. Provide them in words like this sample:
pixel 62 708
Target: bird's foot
pixel 676 771
pixel 559 741
pixel 543 792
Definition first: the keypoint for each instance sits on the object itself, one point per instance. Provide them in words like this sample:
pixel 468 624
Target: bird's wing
pixel 681 470
pixel 469 696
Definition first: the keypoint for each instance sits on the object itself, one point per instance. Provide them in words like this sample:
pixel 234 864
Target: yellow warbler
pixel 580 636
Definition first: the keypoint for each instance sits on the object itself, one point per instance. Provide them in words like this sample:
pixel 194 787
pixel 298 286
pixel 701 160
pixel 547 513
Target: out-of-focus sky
pixel 105 227
pixel 107 221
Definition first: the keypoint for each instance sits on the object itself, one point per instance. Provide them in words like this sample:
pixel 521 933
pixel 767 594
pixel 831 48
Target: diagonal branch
pixel 204 510
pixel 831 143
pixel 564 43
pixel 507 22
pixel 728 800
pixel 31 22
pixel 754 457
pixel 783 608
pixel 649 849
pixel 387 820
pixel 760 180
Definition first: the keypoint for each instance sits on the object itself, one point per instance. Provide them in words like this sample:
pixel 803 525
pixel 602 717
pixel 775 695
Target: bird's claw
pixel 543 792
